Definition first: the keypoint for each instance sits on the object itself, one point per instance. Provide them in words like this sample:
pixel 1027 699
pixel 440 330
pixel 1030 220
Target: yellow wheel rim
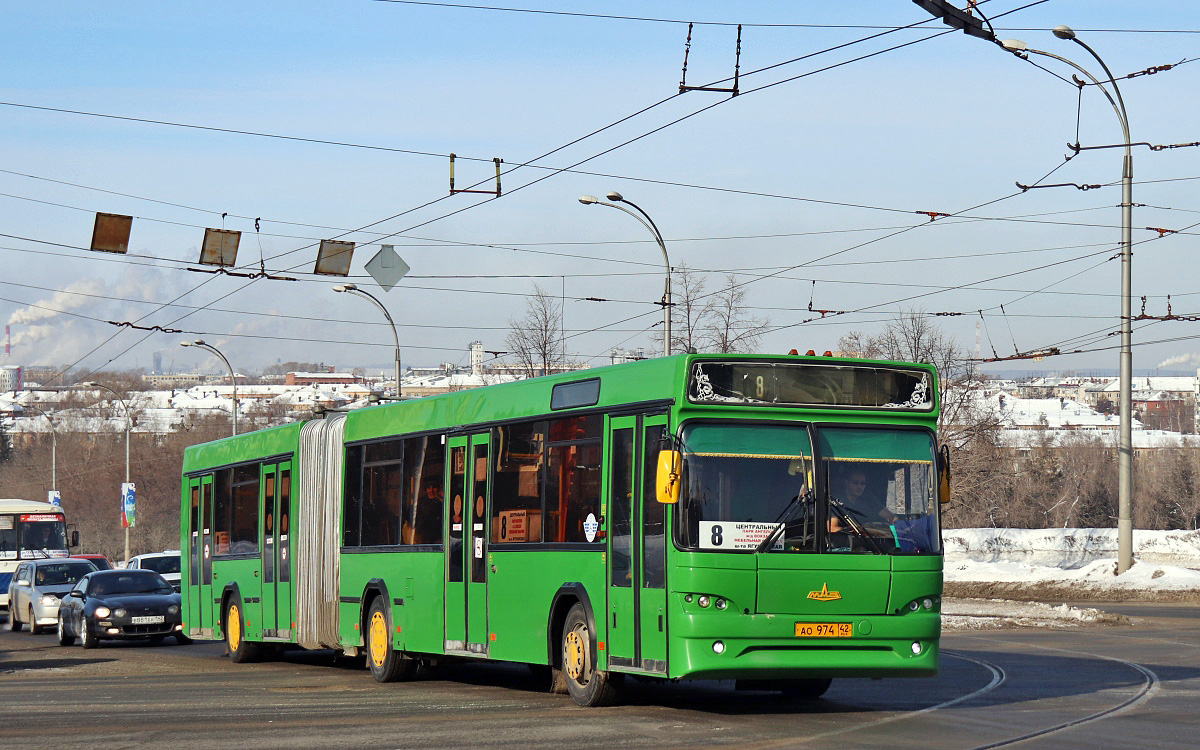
pixel 235 628
pixel 377 638
pixel 574 655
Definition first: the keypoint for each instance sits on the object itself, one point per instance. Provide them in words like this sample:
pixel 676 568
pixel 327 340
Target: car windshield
pixel 746 484
pixel 163 564
pixel 133 582
pixel 61 574
pixel 101 563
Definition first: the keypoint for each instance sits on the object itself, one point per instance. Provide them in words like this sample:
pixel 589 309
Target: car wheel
pixel 63 638
pixel 13 623
pixel 34 628
pixel 587 685
pixel 386 663
pixel 240 649
pixel 87 638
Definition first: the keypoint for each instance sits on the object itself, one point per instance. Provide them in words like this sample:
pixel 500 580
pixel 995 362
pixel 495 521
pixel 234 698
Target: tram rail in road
pixel 1131 686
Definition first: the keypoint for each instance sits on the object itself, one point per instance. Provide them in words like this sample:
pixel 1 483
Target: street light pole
pixel 647 222
pixel 199 343
pixel 1125 428
pixel 353 289
pixel 53 444
pixel 128 427
pixel 975 27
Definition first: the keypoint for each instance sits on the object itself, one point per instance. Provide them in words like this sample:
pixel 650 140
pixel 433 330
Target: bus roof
pixel 27 506
pixel 642 382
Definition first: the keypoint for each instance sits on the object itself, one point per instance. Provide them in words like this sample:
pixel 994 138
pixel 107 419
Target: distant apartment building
pixel 174 380
pixel 321 378
pixel 11 378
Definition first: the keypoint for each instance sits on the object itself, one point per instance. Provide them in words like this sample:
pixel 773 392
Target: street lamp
pixel 128 427
pixel 353 289
pixel 1125 431
pixel 974 27
pixel 647 222
pixel 199 343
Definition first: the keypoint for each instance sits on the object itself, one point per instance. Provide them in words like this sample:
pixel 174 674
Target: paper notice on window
pixel 737 534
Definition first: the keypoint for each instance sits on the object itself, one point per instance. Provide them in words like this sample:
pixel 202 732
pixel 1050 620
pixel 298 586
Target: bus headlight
pixel 718 647
pixel 720 603
pixel 702 600
pixel 927 603
pixel 916 648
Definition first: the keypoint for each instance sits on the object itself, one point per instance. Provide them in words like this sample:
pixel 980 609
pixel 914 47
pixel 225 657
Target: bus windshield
pixel 33 535
pixel 879 485
pixel 742 482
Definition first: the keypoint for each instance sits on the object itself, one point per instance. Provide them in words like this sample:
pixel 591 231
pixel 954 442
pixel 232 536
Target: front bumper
pixel 45 614
pixel 766 647
pixel 114 629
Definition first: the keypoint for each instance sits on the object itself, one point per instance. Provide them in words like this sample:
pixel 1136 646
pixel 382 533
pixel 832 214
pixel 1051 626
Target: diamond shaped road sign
pixel 387 268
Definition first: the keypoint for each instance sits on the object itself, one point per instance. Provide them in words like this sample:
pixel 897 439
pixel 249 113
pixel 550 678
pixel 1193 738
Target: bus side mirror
pixel 667 481
pixel 943 474
pixel 74 539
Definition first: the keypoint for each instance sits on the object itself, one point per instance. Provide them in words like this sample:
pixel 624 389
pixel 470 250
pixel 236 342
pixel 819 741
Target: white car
pixel 165 563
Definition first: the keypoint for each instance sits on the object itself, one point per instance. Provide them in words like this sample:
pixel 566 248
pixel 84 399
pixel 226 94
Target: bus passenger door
pixel 205 615
pixel 637 547
pixel 191 615
pixel 622 645
pixel 466 546
pixel 267 547
pixel 652 549
pixel 283 553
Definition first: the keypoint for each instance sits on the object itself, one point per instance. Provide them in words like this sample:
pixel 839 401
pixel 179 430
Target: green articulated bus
pixel 768 519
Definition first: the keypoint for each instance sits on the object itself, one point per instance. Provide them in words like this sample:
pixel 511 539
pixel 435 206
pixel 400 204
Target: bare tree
pixel 690 308
pixel 536 339
pixel 913 336
pixel 727 326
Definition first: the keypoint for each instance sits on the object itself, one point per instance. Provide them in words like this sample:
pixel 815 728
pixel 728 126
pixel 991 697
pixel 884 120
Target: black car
pixel 120 604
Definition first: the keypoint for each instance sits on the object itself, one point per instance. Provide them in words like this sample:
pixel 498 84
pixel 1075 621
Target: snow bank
pixel 988 614
pixel 1069 548
pixel 1070 564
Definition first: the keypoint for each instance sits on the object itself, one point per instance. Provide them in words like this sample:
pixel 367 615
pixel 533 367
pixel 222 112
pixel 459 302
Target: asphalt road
pixel 1128 686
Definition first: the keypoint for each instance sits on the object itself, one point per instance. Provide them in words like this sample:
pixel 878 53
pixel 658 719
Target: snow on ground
pixel 1077 564
pixel 990 614
pixel 1070 547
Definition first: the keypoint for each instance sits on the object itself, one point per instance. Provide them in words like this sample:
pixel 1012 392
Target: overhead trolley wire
pixel 658 129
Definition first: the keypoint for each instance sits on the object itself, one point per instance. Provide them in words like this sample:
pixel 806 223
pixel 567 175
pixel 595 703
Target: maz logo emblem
pixel 825 595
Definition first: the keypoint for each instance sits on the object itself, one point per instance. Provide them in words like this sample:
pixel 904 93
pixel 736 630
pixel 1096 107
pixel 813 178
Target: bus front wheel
pixel 240 649
pixel 386 663
pixel 587 685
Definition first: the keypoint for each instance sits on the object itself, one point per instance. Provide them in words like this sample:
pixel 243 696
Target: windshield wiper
pixel 803 499
pixel 843 513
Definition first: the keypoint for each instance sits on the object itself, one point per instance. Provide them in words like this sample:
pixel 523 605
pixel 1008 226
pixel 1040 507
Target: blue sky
pixel 943 125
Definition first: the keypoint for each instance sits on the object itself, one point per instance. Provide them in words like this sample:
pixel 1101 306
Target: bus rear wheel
pixel 386 663
pixel 240 649
pixel 587 685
